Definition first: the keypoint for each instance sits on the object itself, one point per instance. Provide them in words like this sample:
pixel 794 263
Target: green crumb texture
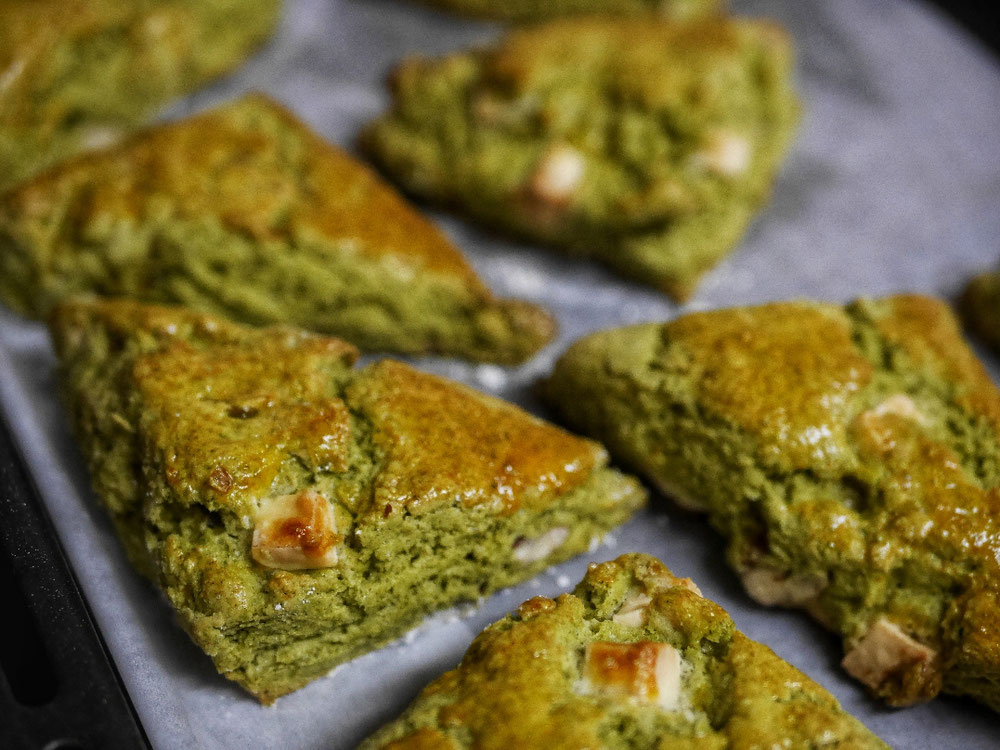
pixel 244 212
pixel 77 74
pixel 980 307
pixel 644 143
pixel 520 11
pixel 297 512
pixel 849 455
pixel 633 658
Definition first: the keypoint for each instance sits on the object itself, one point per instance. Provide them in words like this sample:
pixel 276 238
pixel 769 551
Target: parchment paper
pixel 894 184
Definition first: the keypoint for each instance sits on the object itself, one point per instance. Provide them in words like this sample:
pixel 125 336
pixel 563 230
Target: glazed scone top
pixel 229 411
pixel 575 672
pixel 259 171
pixel 856 391
pixel 442 438
pixel 797 406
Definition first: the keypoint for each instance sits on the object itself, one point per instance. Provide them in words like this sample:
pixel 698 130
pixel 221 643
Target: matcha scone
pixel 537 10
pixel 646 144
pixel 297 512
pixel 633 658
pixel 980 307
pixel 75 74
pixel 850 456
pixel 244 212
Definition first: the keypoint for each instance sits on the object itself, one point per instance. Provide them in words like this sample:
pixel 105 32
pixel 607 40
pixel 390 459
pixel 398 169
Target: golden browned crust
pixel 258 168
pixel 436 444
pixel 209 385
pixel 813 367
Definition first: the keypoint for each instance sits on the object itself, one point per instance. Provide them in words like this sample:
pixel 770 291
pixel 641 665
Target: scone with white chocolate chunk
pixel 851 457
pixel 572 673
pixel 646 144
pixel 298 512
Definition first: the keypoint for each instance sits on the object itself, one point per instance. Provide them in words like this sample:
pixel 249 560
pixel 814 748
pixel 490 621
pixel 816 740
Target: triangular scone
pixel 851 457
pixel 980 307
pixel 537 10
pixel 297 512
pixel 78 74
pixel 634 657
pixel 244 212
pixel 646 144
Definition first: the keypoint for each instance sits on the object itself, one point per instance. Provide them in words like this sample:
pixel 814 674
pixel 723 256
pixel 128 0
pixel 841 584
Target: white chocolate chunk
pixel 157 25
pixel 632 612
pixel 668 678
pixel 100 136
pixel 295 532
pixel 646 671
pixel 11 73
pixel 725 153
pixel 901 405
pixel 883 433
pixel 557 175
pixel 533 550
pixel 772 587
pixel 634 609
pixel 883 650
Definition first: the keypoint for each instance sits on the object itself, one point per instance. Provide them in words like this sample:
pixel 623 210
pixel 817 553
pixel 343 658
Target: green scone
pixel 537 10
pixel 245 212
pixel 850 456
pixel 633 658
pixel 980 307
pixel 298 513
pixel 646 144
pixel 75 74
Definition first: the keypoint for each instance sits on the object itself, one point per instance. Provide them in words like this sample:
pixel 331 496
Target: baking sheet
pixel 894 184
